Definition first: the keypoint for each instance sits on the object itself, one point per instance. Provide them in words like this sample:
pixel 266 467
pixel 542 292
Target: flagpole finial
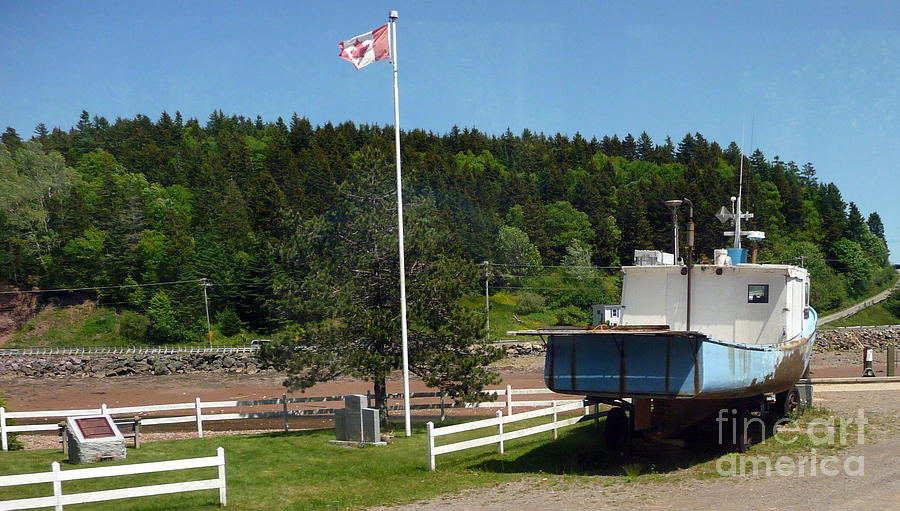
pixel 393 15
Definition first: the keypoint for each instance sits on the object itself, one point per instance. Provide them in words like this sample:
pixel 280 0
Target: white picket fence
pixel 501 436
pixel 199 417
pixel 57 477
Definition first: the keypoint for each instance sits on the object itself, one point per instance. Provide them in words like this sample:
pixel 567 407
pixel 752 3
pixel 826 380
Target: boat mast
pixel 737 214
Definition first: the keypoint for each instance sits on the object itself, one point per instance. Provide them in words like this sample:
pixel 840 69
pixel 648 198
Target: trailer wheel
pixel 787 402
pixel 618 431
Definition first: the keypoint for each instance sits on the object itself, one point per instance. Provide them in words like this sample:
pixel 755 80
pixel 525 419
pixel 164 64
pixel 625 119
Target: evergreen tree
pixel 644 147
pixel 876 227
pixel 856 225
pixel 348 298
pixel 40 131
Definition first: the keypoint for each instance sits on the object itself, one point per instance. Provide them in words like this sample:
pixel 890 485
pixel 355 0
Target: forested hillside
pixel 137 201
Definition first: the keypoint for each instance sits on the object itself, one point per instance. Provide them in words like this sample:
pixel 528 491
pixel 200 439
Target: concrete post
pixel 891 360
pixel 868 358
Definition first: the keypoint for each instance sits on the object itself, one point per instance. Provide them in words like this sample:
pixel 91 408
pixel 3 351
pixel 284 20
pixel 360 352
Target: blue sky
pixel 819 78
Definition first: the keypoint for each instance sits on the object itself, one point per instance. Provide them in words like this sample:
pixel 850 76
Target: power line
pixel 544 288
pixel 537 267
pixel 97 288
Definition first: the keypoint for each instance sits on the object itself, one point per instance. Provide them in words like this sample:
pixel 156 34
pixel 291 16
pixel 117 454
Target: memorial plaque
pixel 94 427
pixel 93 439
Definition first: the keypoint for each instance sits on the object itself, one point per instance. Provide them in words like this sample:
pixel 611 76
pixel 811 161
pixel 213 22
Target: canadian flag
pixel 366 48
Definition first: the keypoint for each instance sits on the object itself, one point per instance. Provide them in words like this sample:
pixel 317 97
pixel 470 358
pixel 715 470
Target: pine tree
pixel 341 284
pixel 856 225
pixel 876 227
pixel 41 131
pixel 644 147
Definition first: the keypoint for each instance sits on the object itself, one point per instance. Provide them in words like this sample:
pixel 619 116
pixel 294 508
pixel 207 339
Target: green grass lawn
pixel 503 314
pixel 89 325
pixel 301 470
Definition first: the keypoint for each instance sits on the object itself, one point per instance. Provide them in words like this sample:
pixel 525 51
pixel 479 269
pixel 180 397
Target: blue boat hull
pixel 673 365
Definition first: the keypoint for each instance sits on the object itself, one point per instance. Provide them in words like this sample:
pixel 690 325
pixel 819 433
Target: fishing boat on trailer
pixel 693 339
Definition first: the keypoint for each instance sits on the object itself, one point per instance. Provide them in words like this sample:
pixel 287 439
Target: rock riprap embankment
pixel 850 339
pixel 126 364
pixel 49 366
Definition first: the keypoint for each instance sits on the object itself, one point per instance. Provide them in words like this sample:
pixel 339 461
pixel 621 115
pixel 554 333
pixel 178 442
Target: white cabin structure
pixel 744 303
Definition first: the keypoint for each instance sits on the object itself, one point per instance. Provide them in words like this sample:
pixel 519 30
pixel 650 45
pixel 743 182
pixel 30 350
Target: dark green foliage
pixel 876 227
pixel 228 322
pixel 133 326
pixel 166 324
pixel 892 304
pixel 142 201
pixel 571 315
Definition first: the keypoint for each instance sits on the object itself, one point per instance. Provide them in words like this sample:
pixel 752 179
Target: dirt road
pixel 876 489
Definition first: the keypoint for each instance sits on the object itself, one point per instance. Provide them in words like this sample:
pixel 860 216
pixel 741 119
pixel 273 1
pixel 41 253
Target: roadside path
pixel 849 311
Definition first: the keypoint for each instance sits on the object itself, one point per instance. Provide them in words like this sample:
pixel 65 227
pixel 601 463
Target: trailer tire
pixel 617 431
pixel 787 402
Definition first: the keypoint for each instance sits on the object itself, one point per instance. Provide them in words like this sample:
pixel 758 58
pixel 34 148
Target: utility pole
pixel 487 298
pixel 209 333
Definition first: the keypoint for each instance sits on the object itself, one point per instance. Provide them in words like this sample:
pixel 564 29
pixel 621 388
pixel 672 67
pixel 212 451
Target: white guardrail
pixel 57 477
pixel 866 327
pixel 117 350
pixel 501 436
pixel 199 417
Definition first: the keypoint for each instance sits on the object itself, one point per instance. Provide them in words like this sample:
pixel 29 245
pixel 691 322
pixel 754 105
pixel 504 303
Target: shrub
pixel 892 304
pixel 133 326
pixel 571 315
pixel 529 302
pixel 228 322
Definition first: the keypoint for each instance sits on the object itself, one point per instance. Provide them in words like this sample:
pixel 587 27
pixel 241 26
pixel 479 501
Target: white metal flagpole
pixel 393 15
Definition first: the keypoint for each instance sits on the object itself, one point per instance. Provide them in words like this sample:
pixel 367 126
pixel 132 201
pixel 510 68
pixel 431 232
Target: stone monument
pixel 356 423
pixel 91 439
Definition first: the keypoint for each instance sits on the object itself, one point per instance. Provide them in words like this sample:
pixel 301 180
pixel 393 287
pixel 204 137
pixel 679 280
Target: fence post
pixel 3 428
pixel 198 412
pixel 509 400
pixel 429 430
pixel 891 360
pixel 103 409
pixel 223 497
pixel 284 410
pixel 443 412
pixel 555 432
pixel 500 428
pixel 57 486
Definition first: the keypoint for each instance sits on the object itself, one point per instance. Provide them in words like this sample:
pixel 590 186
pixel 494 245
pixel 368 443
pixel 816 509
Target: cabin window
pixel 758 293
